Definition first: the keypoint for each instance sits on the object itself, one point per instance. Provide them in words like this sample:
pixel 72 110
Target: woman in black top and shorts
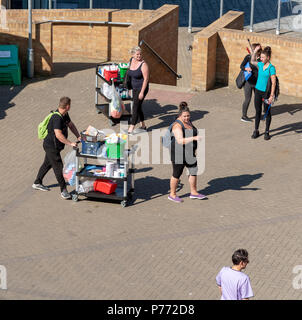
pixel 183 147
pixel 139 74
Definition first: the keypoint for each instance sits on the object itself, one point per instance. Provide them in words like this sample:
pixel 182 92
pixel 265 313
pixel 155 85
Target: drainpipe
pixel 141 5
pixel 30 50
pixel 221 8
pixel 190 17
pixel 252 16
pixel 278 18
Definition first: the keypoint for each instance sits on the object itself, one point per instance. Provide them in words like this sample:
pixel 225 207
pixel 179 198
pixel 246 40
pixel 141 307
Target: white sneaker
pixel 39 186
pixel 65 194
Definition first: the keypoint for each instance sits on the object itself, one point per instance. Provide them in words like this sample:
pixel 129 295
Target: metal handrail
pixel 179 76
pixel 126 24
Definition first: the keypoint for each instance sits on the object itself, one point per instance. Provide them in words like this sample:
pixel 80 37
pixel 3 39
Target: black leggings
pixel 137 112
pixel 52 160
pixel 259 96
pixel 248 90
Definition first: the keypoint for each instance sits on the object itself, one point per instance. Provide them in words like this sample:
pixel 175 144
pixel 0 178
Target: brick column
pixel 206 70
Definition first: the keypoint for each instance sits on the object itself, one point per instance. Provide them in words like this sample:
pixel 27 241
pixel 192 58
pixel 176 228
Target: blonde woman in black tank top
pixel 139 74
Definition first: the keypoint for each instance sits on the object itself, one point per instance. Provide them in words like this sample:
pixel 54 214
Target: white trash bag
pixel 116 105
pixel 69 169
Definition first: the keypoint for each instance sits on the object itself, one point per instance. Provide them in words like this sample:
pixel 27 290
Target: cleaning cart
pixel 111 178
pixel 106 74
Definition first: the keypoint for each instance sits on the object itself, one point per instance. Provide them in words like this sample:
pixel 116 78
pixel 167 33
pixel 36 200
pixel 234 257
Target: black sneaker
pixel 255 134
pixel 246 119
pixel 65 195
pixel 40 186
pixel 266 136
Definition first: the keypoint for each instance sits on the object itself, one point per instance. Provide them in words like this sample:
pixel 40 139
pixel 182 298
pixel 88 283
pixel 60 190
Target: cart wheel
pixel 75 197
pixel 124 203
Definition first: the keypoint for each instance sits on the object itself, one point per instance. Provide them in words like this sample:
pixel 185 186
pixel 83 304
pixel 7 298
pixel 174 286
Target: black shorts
pixel 179 168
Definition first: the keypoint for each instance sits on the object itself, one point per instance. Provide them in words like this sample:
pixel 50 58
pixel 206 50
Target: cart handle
pixel 76 148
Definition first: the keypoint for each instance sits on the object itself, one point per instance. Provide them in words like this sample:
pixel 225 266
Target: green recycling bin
pixel 10 69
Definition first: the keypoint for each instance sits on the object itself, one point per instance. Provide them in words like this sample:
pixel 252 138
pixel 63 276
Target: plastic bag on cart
pixel 116 105
pixel 69 168
pixel 107 91
pixel 86 186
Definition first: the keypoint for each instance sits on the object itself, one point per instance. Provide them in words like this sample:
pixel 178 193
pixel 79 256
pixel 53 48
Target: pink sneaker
pixel 198 196
pixel 176 199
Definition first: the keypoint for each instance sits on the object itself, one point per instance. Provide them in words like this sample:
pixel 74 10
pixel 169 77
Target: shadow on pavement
pixel 296 127
pixel 283 108
pixel 167 114
pixel 238 183
pixel 7 93
pixel 149 188
pixel 61 69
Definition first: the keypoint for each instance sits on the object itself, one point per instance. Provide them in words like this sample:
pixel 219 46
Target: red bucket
pixel 105 186
pixel 109 74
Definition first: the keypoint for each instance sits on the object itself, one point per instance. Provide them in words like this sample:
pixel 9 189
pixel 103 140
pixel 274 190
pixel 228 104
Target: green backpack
pixel 42 127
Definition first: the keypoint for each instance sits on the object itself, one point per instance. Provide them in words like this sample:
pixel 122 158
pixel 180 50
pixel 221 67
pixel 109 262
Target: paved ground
pixel 154 249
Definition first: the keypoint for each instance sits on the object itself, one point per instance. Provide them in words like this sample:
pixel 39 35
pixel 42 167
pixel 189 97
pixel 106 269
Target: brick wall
pixel 102 43
pixel 17 33
pixel 160 32
pixel 286 56
pixel 205 50
pixel 219 49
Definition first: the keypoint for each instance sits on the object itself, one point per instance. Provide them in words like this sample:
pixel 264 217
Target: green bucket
pixel 115 150
pixel 123 67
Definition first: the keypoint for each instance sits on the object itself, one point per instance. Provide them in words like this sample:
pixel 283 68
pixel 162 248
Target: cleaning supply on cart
pixel 109 168
pixel 123 67
pixel 105 186
pixel 115 144
pixel 124 93
pixel 111 72
pixel 91 148
pixel 122 170
pixel 92 134
pixel 91 140
pixel 103 151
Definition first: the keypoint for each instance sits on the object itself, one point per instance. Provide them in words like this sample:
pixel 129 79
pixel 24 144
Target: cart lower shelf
pixel 118 195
